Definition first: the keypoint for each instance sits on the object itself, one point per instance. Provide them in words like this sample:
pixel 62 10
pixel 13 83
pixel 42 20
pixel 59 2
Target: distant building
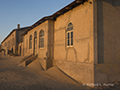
pixel 11 42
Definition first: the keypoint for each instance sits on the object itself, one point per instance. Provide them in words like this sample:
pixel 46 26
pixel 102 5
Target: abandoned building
pixel 81 39
pixel 11 42
pixel 1 51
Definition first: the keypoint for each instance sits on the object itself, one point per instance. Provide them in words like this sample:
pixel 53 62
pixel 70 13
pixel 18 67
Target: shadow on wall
pixel 100 33
pixel 108 30
pixel 113 2
pixel 108 42
pixel 49 61
pixel 10 51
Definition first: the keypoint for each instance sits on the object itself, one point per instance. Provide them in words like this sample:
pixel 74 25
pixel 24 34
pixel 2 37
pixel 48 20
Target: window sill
pixel 69 46
pixel 42 48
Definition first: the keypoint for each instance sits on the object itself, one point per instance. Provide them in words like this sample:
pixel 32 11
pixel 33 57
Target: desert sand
pixel 13 76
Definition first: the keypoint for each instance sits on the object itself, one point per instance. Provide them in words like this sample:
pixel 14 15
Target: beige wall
pixel 76 61
pixel 44 54
pixel 43 26
pixel 94 57
pixel 108 67
pixel 20 49
pixel 13 40
pixel 10 43
pixel 26 46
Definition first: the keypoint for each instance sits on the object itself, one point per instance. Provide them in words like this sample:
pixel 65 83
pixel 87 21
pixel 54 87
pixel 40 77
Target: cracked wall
pixel 45 54
pixel 107 68
pixel 10 43
pixel 76 61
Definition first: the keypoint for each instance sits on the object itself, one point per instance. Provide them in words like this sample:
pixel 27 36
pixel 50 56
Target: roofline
pixel 36 24
pixel 12 32
pixel 55 15
pixel 68 8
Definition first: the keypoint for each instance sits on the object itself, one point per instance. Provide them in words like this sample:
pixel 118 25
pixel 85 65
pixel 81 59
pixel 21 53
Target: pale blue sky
pixel 25 13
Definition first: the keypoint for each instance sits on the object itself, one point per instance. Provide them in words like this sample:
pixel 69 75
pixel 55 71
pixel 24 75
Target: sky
pixel 25 13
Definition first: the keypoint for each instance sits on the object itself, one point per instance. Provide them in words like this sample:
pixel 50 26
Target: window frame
pixel 30 42
pixel 69 30
pixel 41 36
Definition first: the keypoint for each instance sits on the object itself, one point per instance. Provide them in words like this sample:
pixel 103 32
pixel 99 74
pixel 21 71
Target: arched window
pixel 30 42
pixel 69 38
pixel 35 34
pixel 41 39
pixel 35 43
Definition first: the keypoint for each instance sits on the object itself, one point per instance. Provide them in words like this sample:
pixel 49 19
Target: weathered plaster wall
pixel 20 49
pixel 26 50
pixel 2 53
pixel 19 38
pixel 76 61
pixel 13 41
pixel 50 47
pixel 108 23
pixel 44 54
pixel 10 43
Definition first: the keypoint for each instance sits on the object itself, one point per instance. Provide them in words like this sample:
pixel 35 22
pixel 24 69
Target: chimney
pixel 18 26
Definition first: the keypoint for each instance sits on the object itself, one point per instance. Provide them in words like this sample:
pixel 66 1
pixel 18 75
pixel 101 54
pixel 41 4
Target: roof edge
pixel 55 15
pixel 13 31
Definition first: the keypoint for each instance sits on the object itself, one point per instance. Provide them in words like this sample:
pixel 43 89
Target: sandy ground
pixel 15 77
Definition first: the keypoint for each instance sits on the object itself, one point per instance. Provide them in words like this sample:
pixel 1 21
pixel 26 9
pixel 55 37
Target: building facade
pixel 81 39
pixel 11 42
